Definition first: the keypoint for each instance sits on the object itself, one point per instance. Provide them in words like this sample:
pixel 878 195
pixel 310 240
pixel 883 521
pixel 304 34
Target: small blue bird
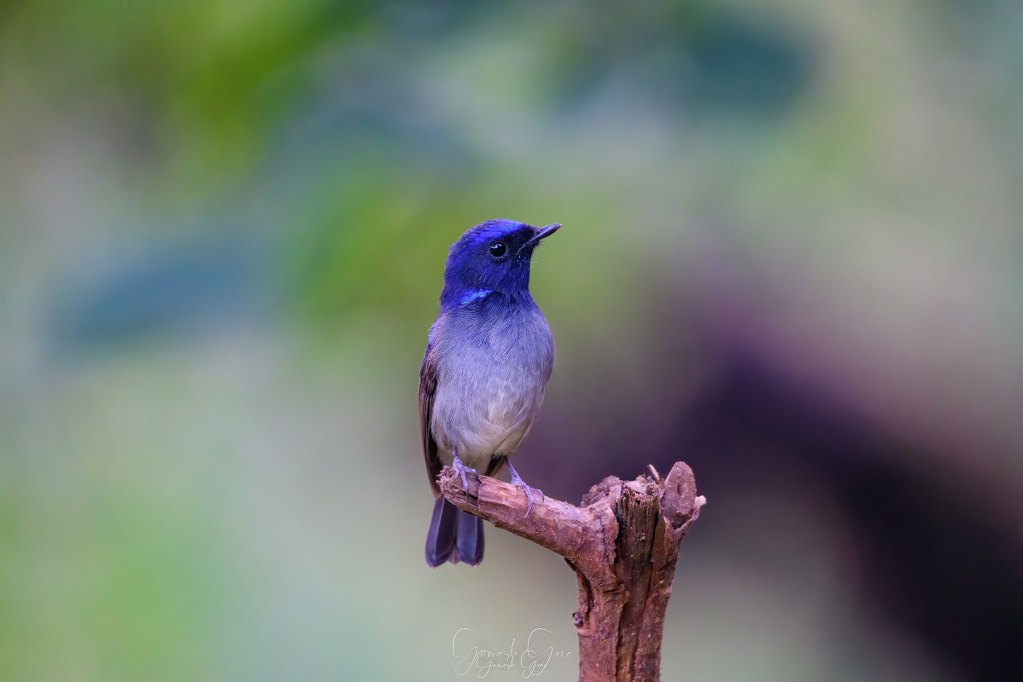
pixel 489 356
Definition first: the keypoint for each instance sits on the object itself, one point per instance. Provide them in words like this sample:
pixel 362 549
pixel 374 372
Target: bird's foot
pixel 461 469
pixel 526 488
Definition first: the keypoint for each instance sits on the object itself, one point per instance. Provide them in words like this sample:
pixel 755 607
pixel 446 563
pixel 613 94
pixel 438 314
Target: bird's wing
pixel 427 389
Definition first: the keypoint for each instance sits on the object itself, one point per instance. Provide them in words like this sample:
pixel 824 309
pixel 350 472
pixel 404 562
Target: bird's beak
pixel 544 232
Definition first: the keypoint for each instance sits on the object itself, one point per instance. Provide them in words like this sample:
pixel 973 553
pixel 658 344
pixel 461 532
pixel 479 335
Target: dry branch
pixel 622 544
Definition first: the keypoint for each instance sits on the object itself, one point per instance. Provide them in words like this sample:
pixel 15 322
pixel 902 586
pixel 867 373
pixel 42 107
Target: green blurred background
pixel 792 256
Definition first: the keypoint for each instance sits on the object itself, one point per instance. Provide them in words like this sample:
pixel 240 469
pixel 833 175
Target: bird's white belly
pixel 484 408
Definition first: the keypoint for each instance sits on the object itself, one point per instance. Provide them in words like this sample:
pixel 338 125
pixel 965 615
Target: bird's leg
pixel 529 490
pixel 461 469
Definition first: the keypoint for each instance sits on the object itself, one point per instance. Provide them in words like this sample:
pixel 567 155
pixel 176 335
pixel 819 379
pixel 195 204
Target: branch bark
pixel 622 543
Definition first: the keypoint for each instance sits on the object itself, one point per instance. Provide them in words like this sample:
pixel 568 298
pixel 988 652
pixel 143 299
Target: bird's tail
pixel 454 536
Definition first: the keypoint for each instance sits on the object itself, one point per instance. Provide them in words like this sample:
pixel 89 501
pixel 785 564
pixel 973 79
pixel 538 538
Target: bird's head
pixel 491 257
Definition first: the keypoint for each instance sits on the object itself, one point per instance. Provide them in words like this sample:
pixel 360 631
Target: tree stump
pixel 622 543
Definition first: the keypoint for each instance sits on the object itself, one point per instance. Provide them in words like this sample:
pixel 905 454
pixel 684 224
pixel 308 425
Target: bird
pixel 489 356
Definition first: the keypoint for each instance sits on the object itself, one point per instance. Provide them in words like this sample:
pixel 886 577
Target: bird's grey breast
pixel 493 364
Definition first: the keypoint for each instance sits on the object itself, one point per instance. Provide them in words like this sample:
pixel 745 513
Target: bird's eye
pixel 498 249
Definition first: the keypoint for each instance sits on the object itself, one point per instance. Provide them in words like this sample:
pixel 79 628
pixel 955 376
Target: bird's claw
pixel 461 469
pixel 529 490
